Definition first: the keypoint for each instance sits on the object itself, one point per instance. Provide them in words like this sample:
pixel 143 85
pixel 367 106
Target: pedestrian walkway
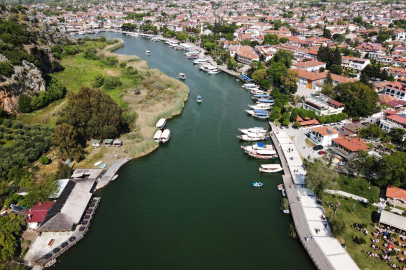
pixel 325 251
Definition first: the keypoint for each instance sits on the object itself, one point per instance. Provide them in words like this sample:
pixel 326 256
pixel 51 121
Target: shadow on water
pixel 191 203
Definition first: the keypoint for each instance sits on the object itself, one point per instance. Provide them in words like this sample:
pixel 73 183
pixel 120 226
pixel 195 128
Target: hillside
pixel 26 57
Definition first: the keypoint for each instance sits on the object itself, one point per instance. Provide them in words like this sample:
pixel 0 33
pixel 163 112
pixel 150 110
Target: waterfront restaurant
pixel 69 208
pixel 321 107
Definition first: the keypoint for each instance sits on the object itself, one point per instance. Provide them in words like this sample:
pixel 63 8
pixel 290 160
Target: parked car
pixel 64 244
pixel 321 152
pixel 82 228
pixel 318 147
pixel 16 208
pixel 341 163
pixel 73 238
pixel 56 250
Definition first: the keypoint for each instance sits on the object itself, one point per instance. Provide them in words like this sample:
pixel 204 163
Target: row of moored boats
pixel 263 100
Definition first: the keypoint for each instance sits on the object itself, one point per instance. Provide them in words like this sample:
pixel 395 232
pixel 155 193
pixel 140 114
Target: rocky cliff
pixel 28 77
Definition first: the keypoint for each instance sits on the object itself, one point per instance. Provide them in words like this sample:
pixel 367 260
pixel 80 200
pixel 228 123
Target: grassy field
pixel 309 143
pixel 357 187
pixel 352 211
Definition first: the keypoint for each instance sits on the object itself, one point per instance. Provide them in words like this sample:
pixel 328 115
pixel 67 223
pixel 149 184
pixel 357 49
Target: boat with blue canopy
pixel 258 184
pixel 199 99
pixel 265 101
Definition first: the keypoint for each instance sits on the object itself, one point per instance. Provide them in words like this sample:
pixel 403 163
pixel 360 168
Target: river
pixel 191 204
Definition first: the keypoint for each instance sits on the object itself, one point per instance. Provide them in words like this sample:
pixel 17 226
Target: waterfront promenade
pixel 106 178
pixel 325 251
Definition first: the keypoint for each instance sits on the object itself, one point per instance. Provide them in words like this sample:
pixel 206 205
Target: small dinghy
pixel 98 163
pixel 199 99
pixel 258 184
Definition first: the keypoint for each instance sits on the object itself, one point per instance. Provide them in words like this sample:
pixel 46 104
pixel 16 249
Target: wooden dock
pixel 106 178
pixel 299 218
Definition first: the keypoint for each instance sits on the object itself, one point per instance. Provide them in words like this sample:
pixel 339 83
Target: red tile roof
pixel 396 193
pixel 38 212
pixel 325 130
pixel 331 101
pixel 352 144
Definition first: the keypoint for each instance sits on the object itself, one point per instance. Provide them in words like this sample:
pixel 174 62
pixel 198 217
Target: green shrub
pixel 112 61
pixel 111 83
pixel 98 81
pixel 123 64
pixel 24 103
pixel 6 69
pixel 7 123
pixel 44 160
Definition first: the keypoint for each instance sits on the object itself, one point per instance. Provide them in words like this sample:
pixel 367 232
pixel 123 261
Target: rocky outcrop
pixel 26 79
pixel 48 61
pixel 51 35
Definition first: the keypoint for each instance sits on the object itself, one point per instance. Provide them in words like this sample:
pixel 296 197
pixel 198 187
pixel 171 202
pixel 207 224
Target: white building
pixel 354 63
pixel 323 135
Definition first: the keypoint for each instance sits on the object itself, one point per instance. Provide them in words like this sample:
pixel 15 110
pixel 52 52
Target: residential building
pixel 395 195
pixel 396 89
pixel 354 63
pixel 321 107
pixel 311 80
pixel 345 146
pixel 323 135
pixel 246 54
pixel 310 65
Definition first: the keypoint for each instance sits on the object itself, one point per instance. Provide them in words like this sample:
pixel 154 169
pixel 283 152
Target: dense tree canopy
pixel 359 99
pixel 10 227
pixel 319 177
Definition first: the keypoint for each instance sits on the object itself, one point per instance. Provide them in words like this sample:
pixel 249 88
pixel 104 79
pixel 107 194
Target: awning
pixel 246 78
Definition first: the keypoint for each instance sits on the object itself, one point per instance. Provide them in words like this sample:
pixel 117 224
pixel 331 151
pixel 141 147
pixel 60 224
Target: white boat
pixel 205 66
pixel 148 52
pixel 258 113
pixel 251 137
pixel 258 146
pixel 81 33
pixel 165 135
pixel 261 106
pixel 213 70
pixel 182 76
pixel 157 135
pixel 256 91
pixel 262 154
pixel 200 61
pixel 199 99
pixel 280 186
pixel 161 123
pixel 253 130
pixel 192 52
pixel 249 85
pixel 50 263
pixel 114 177
pixel 98 163
pixel 258 184
pixel 270 168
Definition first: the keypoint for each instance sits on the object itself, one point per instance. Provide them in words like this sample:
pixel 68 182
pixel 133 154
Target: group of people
pixel 387 235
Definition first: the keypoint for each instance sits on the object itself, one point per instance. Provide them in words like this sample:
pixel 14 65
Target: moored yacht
pixel 192 52
pixel 261 106
pixel 256 91
pixel 270 168
pixel 157 135
pixel 258 97
pixel 257 130
pixel 258 146
pixel 213 70
pixel 161 123
pixel 148 52
pixel 252 137
pixel 193 56
pixel 165 135
pixel 262 154
pixel 258 113
pixel 200 61
pixel 249 85
pixel 205 66
pixel 259 101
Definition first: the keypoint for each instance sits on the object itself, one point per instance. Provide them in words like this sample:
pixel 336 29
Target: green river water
pixel 191 203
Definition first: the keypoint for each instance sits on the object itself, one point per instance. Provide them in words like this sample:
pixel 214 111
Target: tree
pixel 44 160
pixel 68 141
pixel 327 89
pixel 276 71
pixel 259 75
pixel 319 177
pixel 24 103
pixel 397 134
pixel 338 227
pixel 271 39
pixel 6 69
pixel 336 69
pixel 283 56
pixel 290 81
pixel 10 228
pixel 359 99
pixel 277 24
pixel 383 36
pixel 336 58
pixel 98 81
pixel 266 84
pixel 392 170
pixel 283 40
pixel 326 33
pixel 339 38
pixel 329 79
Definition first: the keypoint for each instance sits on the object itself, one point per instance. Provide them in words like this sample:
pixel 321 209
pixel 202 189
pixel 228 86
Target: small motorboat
pixel 199 99
pixel 182 76
pixel 270 168
pixel 161 123
pixel 165 135
pixel 256 130
pixel 114 177
pixel 249 86
pixel 50 263
pixel 252 137
pixel 148 52
pixel 103 166
pixel 258 184
pixel 256 91
pixel 261 106
pixel 98 163
pixel 157 135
